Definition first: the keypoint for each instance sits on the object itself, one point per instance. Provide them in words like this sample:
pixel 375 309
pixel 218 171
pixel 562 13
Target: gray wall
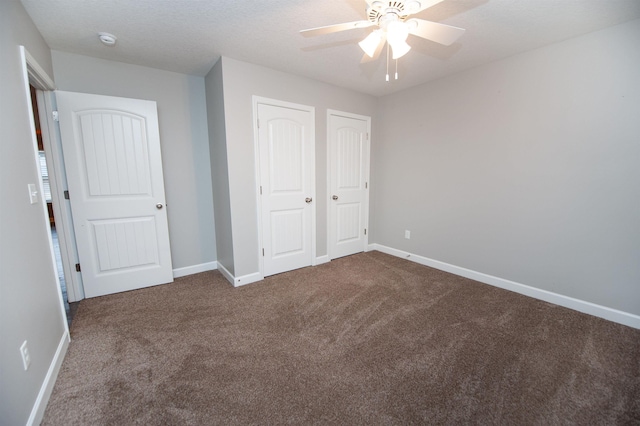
pixel 526 169
pixel 29 302
pixel 241 82
pixel 183 137
pixel 219 167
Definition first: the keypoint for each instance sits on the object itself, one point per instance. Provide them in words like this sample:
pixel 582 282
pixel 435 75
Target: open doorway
pixel 70 308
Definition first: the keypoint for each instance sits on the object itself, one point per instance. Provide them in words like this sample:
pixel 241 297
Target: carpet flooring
pixel 366 339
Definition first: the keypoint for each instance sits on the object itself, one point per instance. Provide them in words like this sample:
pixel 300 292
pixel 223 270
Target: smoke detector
pixel 107 39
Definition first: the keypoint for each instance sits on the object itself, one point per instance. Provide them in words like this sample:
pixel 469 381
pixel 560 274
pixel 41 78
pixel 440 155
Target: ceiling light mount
pixel 107 39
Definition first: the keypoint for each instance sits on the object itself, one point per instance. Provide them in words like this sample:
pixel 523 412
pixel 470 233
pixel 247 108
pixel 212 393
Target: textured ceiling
pixel 188 36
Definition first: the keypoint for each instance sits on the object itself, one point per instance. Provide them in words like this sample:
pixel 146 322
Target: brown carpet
pixel 366 339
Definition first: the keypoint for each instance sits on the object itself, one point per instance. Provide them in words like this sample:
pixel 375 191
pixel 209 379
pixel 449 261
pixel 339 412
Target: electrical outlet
pixel 407 234
pixel 26 356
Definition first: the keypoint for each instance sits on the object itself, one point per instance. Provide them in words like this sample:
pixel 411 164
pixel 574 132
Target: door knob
pixel 335 197
pixel 159 206
pixel 308 199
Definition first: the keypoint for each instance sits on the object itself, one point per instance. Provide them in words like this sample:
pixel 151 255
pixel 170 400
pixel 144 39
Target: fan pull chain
pixel 387 61
pixel 396 69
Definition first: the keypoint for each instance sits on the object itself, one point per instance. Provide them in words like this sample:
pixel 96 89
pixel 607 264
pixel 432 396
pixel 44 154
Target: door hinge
pixel 55 116
pixel 262 252
pixel 258 120
pixel 366 185
pixel 260 189
pixel 367 135
pixel 66 195
pixel 77 267
pixel 365 231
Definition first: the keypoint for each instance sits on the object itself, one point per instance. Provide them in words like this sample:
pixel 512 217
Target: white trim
pixel 256 161
pixel 322 259
pixel 194 269
pixel 600 311
pixel 37 73
pixel 225 273
pixel 37 412
pixel 52 146
pixel 367 172
pixel 256 100
pixel 247 279
pixel 31 69
pixel 240 281
pixel 61 207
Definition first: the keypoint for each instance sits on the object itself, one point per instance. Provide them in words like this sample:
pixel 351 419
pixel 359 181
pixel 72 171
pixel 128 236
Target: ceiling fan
pixel 392 17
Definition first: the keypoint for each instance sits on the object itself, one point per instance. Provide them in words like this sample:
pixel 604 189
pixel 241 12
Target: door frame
pixel 367 173
pixel 52 142
pixel 61 206
pixel 257 100
pixel 35 75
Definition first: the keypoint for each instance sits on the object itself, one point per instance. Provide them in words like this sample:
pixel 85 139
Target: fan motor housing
pixel 398 8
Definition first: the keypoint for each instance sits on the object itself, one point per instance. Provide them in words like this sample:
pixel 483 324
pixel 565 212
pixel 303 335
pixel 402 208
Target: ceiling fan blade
pixel 335 28
pixel 440 33
pixel 413 6
pixel 366 58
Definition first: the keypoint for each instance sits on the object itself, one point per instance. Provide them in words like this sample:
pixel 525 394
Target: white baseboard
pixel 247 279
pixel 37 412
pixel 257 276
pixel 610 314
pixel 194 269
pixel 239 281
pixel 225 273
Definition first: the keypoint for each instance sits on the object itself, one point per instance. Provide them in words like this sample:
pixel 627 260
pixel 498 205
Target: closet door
pixel 348 146
pixel 286 162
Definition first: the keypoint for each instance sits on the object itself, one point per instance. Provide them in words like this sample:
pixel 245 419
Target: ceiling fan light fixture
pixel 391 17
pixel 397 33
pixel 370 44
pixel 400 49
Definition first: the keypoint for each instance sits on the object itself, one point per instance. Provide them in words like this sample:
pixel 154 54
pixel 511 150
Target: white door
pixel 286 162
pixel 111 150
pixel 348 145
